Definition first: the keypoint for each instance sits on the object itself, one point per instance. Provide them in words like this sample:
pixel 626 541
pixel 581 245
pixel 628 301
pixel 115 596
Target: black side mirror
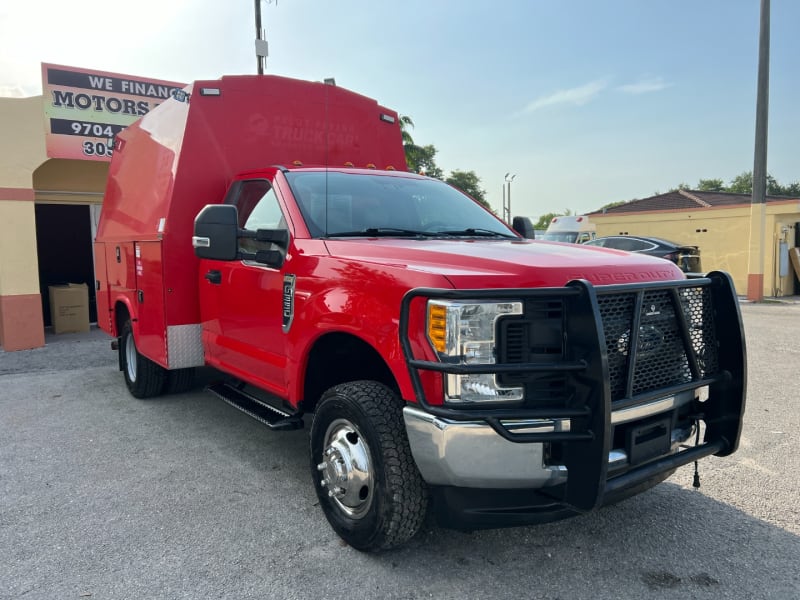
pixel 271 258
pixel 275 236
pixel 216 232
pixel 524 227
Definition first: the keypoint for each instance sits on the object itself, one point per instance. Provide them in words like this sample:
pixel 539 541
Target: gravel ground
pixel 106 496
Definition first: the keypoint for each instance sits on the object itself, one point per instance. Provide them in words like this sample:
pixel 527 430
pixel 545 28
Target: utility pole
pixel 755 271
pixel 507 196
pixel 506 216
pixel 261 42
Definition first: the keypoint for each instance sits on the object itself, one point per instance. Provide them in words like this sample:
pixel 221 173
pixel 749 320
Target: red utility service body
pixel 186 159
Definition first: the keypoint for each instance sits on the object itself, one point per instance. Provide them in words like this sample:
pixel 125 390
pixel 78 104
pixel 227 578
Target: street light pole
pixel 507 197
pixel 505 211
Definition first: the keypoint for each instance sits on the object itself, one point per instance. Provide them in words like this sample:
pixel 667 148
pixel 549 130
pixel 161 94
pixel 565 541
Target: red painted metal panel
pixel 152 332
pixel 121 280
pixel 104 315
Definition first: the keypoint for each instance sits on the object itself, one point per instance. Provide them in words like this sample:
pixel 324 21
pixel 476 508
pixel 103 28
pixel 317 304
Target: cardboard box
pixel 69 307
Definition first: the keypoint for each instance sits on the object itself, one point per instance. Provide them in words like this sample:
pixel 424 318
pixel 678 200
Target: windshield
pixel 353 204
pixel 563 236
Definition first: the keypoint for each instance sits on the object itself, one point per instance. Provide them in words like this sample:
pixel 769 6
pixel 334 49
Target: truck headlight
pixel 463 332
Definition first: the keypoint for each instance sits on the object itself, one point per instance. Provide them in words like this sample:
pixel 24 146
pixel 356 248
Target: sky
pixel 584 102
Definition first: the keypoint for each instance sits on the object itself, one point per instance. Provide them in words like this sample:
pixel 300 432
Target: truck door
pixel 244 298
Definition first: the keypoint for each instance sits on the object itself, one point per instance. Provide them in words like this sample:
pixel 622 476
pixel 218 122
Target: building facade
pixel 54 157
pixel 719 224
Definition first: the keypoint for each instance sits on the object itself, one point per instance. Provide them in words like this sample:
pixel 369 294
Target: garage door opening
pixel 64 249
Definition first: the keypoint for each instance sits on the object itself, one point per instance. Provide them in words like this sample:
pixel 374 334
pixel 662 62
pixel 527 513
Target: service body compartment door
pixel 151 324
pixel 121 278
pixel 104 316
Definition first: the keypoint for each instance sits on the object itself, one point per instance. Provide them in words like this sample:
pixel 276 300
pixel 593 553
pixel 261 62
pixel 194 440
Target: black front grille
pixel 534 337
pixel 617 312
pixel 675 342
pixel 660 357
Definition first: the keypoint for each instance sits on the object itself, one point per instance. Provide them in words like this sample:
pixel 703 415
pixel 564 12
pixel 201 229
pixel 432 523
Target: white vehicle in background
pixel 570 228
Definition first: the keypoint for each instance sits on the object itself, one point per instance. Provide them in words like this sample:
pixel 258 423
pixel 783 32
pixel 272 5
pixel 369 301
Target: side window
pixel 258 209
pixel 266 214
pixel 621 243
pixel 640 246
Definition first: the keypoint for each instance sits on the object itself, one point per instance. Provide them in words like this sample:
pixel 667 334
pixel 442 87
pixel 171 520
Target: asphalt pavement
pixel 105 496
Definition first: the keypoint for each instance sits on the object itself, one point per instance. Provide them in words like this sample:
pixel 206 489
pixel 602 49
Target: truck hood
pixel 476 263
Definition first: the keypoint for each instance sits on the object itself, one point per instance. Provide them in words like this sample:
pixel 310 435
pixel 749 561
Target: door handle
pixel 214 277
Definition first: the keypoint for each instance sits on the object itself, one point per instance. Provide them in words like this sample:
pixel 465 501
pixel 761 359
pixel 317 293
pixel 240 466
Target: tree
pixel 793 189
pixel 423 160
pixel 411 149
pixel 469 183
pixel 741 184
pixel 613 204
pixel 419 159
pixel 544 221
pixel 711 185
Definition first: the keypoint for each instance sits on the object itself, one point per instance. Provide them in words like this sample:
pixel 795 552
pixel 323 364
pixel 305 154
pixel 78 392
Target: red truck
pixel 266 227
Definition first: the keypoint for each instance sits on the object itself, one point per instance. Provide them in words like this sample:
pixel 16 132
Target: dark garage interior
pixel 64 248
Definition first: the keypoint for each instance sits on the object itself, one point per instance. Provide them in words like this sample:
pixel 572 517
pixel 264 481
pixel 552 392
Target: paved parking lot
pixel 104 496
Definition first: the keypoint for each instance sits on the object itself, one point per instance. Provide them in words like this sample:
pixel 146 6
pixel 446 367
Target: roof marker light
pixel 210 92
pixel 390 168
pixel 297 163
pixel 348 164
pixel 370 165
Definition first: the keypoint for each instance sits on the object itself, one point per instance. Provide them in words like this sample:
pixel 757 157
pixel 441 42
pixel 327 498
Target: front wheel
pixel 365 477
pixel 143 377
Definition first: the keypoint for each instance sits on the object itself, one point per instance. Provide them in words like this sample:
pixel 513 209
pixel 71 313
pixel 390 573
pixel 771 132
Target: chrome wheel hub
pixel 130 357
pixel 346 468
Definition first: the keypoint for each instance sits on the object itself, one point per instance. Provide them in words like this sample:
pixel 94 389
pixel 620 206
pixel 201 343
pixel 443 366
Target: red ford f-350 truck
pixel 267 227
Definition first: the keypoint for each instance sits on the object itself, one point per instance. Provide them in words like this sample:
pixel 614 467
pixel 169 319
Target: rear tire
pixel 179 380
pixel 143 377
pixel 365 477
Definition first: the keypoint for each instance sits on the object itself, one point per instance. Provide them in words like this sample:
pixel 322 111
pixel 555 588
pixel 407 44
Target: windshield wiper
pixel 383 232
pixel 477 232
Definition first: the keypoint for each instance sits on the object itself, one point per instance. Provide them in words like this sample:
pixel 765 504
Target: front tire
pixel 365 477
pixel 143 377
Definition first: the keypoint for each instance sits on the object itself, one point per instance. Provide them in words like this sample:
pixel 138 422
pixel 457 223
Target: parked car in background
pixel 686 257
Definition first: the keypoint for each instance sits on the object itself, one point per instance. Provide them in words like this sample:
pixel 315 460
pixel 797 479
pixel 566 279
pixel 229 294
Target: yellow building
pixel 719 224
pixel 54 155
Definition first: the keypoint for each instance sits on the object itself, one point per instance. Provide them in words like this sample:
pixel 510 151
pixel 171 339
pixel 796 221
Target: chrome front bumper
pixel 471 454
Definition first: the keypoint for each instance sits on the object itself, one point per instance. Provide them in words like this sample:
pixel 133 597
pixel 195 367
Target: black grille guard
pixel 587 444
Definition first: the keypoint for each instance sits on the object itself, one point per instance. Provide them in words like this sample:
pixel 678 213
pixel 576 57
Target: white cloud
pixel 14 91
pixel 644 86
pixel 577 96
